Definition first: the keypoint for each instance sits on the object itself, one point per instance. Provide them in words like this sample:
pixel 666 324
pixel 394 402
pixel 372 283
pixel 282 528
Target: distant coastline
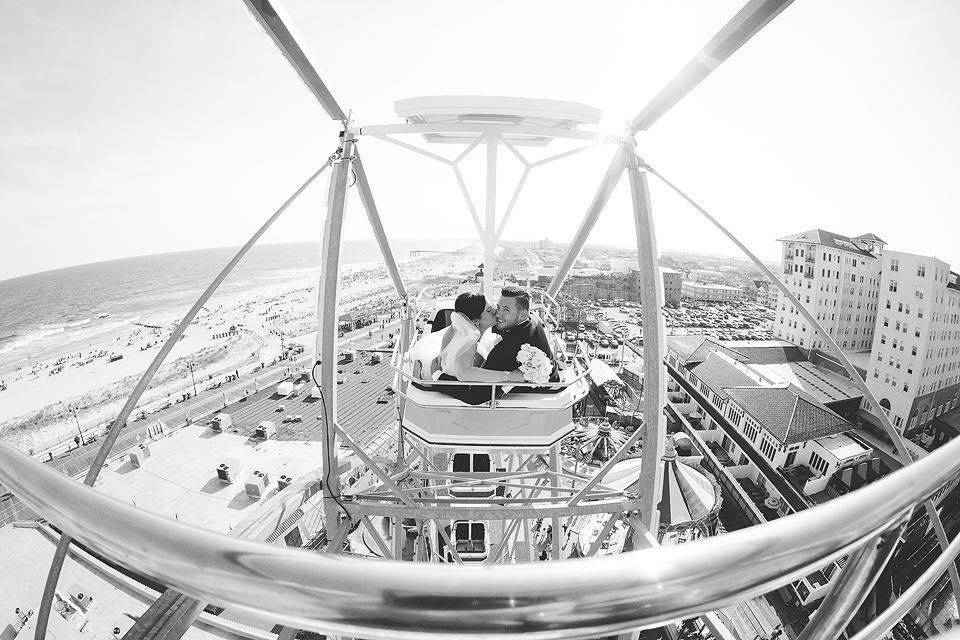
pixel 76 340
pixel 37 306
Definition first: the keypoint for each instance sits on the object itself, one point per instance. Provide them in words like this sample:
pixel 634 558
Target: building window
pixel 919 293
pixel 817 463
pixel 893 286
pixel 894 265
pixel 768 450
pixel 921 271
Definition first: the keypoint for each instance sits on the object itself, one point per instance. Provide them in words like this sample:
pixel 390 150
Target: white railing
pixel 597 596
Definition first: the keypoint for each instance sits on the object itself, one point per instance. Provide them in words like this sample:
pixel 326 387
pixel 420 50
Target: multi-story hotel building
pixel 837 279
pixel 904 308
pixel 914 368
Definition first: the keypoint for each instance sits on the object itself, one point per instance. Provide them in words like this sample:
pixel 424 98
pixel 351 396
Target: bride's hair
pixel 470 305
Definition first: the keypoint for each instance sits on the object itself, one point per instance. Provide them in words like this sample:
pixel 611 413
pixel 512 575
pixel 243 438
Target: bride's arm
pixel 476 374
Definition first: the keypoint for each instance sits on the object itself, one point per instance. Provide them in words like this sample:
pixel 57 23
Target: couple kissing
pixel 510 321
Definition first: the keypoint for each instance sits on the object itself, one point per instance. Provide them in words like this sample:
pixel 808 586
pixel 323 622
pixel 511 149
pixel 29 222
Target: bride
pixel 459 358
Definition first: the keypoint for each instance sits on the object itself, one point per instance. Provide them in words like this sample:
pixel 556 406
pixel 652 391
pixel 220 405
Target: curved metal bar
pixel 884 622
pixel 850 589
pixel 380 599
pixel 63 545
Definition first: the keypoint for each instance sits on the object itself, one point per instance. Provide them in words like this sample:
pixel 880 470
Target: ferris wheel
pixel 474 519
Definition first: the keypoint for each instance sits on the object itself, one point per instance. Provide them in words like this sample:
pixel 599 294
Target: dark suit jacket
pixel 503 357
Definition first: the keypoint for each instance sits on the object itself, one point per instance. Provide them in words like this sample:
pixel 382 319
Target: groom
pixel 516 327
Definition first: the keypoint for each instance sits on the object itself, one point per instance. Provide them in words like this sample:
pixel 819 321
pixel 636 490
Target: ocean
pixel 41 305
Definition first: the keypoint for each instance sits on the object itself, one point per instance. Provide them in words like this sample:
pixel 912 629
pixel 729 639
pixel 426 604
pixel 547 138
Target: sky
pixel 130 128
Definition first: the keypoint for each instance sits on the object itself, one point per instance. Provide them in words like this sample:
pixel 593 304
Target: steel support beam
pixel 883 622
pixel 326 346
pixel 373 466
pixel 654 369
pixel 523 510
pixel 276 22
pixel 603 535
pixel 373 215
pixel 555 523
pixel 490 226
pixel 607 185
pixel 753 17
pixel 849 590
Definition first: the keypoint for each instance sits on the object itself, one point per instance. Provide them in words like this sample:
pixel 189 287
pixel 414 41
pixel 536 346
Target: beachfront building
pixel 773 428
pixel 779 410
pixel 704 292
pixel 837 279
pixel 914 367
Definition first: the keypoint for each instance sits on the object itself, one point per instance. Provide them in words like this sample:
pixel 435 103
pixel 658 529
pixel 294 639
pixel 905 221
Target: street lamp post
pixel 192 378
pixel 79 430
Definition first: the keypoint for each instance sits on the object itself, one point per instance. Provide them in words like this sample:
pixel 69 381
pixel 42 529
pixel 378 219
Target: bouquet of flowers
pixel 534 364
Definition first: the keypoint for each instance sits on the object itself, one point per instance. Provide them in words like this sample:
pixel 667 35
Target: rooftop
pixel 833 240
pixel 703 285
pixel 696 348
pixel 842 446
pixel 719 375
pixel 117 601
pixel 823 385
pixel 788 413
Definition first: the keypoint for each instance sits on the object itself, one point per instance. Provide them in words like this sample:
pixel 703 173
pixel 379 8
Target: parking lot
pixel 741 320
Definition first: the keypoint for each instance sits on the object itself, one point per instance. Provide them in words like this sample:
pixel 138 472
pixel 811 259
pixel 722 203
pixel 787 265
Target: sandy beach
pixel 89 371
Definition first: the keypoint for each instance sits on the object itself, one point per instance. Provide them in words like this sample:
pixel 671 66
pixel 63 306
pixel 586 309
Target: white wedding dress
pixel 464 343
pixel 462 347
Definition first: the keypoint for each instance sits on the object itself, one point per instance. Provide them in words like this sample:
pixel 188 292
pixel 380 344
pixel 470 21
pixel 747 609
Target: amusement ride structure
pixel 465 517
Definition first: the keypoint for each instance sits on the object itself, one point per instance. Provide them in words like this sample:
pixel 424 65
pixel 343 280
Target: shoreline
pixel 237 331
